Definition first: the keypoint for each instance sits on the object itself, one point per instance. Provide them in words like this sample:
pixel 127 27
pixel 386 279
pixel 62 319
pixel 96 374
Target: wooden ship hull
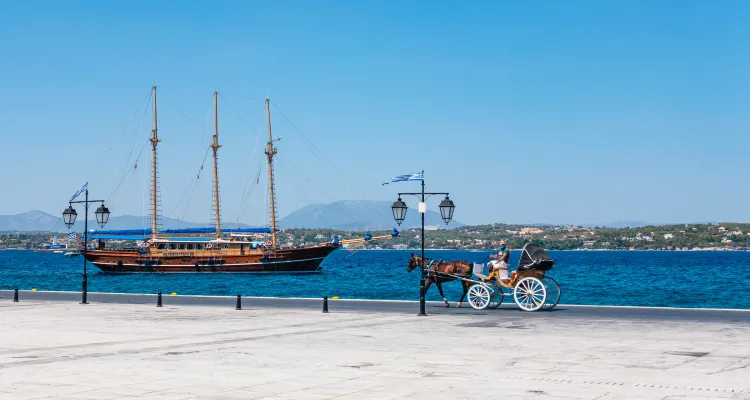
pixel 292 260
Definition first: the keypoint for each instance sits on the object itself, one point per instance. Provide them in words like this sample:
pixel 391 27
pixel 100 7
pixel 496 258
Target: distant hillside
pixel 39 221
pixel 342 215
pixel 31 221
pixel 358 215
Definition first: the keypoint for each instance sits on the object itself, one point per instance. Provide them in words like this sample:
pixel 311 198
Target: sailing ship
pixel 236 253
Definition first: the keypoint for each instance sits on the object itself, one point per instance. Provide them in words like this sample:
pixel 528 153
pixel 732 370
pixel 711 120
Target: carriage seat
pixel 478 271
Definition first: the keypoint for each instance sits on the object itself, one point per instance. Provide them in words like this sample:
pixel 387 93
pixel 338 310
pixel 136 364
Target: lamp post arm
pixel 427 195
pixel 86 201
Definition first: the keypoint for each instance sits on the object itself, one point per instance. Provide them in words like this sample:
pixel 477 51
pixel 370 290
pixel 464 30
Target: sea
pixel 702 279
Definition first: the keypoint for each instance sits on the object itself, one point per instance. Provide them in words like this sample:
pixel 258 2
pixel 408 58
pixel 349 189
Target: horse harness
pixel 429 269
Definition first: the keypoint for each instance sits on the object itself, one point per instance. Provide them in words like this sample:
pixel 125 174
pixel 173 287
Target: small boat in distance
pixel 72 254
pixel 56 247
pixel 238 252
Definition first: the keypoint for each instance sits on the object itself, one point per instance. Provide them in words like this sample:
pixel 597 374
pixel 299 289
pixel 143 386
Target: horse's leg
pixel 465 286
pixel 440 289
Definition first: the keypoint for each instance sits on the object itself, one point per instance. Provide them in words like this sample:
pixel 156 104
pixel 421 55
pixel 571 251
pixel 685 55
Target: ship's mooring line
pixel 353 253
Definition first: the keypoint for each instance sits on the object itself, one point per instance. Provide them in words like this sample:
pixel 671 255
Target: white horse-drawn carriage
pixel 531 289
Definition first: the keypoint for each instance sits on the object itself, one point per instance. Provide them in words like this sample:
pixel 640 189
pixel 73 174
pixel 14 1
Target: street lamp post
pixel 399 213
pixel 69 217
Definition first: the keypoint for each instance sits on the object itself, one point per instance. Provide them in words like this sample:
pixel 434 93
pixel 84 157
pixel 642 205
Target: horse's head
pixel 414 262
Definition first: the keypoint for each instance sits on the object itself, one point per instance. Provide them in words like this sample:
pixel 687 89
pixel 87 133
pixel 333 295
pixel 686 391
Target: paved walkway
pixel 63 350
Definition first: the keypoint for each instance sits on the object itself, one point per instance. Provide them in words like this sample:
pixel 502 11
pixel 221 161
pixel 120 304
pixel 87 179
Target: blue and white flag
pixel 419 176
pixel 72 235
pixel 81 190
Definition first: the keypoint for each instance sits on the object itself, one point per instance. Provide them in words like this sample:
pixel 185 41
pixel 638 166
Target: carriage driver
pixel 499 267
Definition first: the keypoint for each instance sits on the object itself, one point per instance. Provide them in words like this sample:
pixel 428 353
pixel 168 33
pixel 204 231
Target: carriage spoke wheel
pixel 479 297
pixel 530 294
pixel 553 293
pixel 496 298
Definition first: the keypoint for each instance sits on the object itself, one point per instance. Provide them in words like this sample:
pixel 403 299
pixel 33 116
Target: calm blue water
pixel 677 279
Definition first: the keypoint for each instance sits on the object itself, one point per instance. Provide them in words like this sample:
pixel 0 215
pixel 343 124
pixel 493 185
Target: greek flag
pixel 419 176
pixel 72 235
pixel 81 190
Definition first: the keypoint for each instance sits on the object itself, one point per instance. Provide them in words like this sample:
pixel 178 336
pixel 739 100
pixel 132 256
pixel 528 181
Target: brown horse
pixel 436 272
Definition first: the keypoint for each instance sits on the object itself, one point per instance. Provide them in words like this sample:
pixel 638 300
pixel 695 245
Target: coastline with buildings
pixel 682 237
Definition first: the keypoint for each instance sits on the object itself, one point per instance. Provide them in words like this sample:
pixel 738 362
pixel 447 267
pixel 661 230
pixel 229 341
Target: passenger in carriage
pixel 498 269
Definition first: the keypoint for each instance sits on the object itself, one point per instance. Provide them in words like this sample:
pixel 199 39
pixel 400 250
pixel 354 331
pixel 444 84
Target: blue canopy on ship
pixel 117 237
pixel 213 230
pixel 139 232
pixel 142 238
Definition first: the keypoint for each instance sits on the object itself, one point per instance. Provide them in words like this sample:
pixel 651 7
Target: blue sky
pixel 557 112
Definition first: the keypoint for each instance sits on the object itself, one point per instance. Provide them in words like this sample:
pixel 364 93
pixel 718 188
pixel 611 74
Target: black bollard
pixel 239 302
pixel 158 300
pixel 325 304
pixel 15 296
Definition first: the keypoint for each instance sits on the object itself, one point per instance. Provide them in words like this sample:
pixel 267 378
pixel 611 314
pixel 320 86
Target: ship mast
pixel 154 142
pixel 270 152
pixel 215 146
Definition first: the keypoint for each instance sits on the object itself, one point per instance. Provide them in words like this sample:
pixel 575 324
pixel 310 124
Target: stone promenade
pixel 64 350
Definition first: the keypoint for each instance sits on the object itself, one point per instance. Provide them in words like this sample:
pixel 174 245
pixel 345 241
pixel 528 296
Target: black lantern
pixel 69 216
pixel 102 215
pixel 399 210
pixel 446 209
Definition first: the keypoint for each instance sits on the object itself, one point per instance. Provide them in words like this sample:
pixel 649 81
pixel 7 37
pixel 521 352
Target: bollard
pixel 325 304
pixel 239 302
pixel 158 300
pixel 15 296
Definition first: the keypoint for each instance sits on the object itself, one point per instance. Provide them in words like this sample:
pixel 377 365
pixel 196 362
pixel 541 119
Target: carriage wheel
pixel 496 298
pixel 553 293
pixel 530 294
pixel 479 297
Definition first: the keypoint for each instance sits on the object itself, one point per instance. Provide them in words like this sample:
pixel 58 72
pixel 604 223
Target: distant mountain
pixel 359 215
pixel 31 221
pixel 356 215
pixel 39 221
